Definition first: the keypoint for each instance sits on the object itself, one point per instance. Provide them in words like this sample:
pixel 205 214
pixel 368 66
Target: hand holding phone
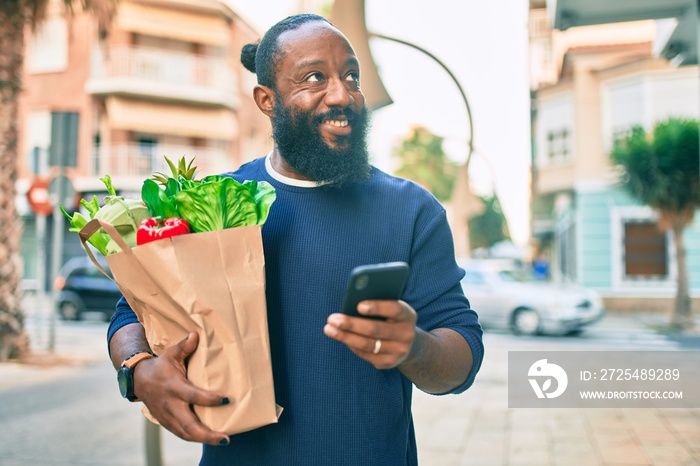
pixel 376 281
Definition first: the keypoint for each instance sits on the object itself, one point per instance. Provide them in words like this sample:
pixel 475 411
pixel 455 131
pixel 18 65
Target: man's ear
pixel 265 99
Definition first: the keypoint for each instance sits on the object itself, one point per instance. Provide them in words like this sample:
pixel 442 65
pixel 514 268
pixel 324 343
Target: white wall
pixel 48 48
pixel 648 97
pixel 675 94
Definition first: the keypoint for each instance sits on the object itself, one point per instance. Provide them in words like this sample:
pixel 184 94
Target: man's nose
pixel 337 94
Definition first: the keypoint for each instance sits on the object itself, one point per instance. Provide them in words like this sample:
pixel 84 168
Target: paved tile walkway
pixel 477 428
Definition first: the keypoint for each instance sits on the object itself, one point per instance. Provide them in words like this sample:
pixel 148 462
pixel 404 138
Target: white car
pixel 507 296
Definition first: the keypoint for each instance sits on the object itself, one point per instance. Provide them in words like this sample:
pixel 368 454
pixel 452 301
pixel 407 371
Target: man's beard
pixel 300 144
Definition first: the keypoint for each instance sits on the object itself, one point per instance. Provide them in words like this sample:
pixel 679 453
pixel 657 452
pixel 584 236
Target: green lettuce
pixel 212 203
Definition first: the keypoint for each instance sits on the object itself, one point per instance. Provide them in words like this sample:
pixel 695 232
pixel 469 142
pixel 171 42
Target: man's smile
pixel 336 126
pixel 339 123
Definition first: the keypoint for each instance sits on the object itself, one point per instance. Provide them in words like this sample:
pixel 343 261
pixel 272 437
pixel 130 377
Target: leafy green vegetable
pixel 212 203
pixel 124 214
pixel 107 180
pixel 158 202
pixel 216 204
pixel 92 207
pixel 264 195
pixel 99 240
pixel 172 187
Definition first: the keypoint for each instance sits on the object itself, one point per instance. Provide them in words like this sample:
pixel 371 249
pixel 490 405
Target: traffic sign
pixel 43 194
pixel 38 196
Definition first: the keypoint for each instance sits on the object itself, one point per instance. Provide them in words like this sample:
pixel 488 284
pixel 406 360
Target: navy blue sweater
pixel 339 409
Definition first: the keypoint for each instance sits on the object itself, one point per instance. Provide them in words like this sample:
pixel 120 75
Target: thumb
pixel 187 346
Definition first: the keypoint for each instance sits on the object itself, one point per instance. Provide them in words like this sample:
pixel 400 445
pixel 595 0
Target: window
pixel 643 258
pixel 558 144
pixel 645 250
pixel 38 140
pixel 147 152
pixel 554 129
pixel 48 48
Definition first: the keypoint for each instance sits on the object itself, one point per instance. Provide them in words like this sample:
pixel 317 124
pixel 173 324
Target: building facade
pixel 596 84
pixel 166 81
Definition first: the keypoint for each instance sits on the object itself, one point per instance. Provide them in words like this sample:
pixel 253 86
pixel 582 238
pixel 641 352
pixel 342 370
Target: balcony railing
pixel 162 73
pixel 134 160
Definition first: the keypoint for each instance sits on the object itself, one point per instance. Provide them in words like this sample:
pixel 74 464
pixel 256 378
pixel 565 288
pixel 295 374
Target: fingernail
pixel 223 442
pixel 225 400
pixel 330 330
pixel 334 320
pixel 364 308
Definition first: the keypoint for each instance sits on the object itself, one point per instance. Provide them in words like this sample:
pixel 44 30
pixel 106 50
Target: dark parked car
pixel 83 288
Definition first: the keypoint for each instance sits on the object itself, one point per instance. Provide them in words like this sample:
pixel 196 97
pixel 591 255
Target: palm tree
pixel 15 16
pixel 661 170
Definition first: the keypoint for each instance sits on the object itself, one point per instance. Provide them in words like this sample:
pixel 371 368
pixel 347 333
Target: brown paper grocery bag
pixel 212 283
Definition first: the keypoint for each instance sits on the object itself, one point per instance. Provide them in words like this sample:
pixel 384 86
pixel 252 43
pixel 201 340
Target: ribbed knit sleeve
pixel 434 289
pixel 123 315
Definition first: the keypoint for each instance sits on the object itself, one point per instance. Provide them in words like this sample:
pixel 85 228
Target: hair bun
pixel 248 56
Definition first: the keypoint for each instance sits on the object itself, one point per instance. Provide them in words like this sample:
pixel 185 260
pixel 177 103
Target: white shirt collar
pixel 285 179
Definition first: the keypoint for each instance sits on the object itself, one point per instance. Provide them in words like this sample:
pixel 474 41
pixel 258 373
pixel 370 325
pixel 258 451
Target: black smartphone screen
pixel 376 281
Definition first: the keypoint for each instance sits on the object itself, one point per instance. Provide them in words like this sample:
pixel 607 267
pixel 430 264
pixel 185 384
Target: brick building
pixel 167 81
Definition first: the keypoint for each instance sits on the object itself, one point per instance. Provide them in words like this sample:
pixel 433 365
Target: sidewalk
pixel 477 428
pixel 485 432
pixel 73 348
pixel 78 346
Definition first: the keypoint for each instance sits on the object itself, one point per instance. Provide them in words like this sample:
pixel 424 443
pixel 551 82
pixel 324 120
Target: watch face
pixel 124 380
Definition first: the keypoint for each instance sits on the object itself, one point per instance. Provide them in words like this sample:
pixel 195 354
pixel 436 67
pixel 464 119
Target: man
pixel 345 382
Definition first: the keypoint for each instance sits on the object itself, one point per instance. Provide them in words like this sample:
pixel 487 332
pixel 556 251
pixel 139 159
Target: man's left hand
pixel 383 343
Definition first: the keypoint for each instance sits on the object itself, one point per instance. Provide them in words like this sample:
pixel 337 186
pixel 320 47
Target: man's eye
pixel 354 80
pixel 314 78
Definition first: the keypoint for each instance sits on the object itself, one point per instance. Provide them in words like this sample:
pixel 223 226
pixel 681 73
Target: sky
pixel 484 44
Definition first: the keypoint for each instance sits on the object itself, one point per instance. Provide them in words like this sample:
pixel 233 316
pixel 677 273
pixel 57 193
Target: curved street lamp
pixel 462 190
pixel 454 79
pixel 349 17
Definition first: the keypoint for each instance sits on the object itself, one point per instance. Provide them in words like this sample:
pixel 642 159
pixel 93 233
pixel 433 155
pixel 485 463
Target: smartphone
pixel 376 281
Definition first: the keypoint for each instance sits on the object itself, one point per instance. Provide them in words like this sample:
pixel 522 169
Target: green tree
pixel 424 161
pixel 490 226
pixel 15 17
pixel 660 169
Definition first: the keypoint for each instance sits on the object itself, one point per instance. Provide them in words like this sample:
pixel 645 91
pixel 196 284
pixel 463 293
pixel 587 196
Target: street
pixel 69 412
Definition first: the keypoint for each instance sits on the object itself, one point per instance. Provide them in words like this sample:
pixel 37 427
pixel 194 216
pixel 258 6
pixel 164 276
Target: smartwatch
pixel 125 374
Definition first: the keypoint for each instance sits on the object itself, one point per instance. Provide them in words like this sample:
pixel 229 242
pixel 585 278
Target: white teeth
pixel 338 123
